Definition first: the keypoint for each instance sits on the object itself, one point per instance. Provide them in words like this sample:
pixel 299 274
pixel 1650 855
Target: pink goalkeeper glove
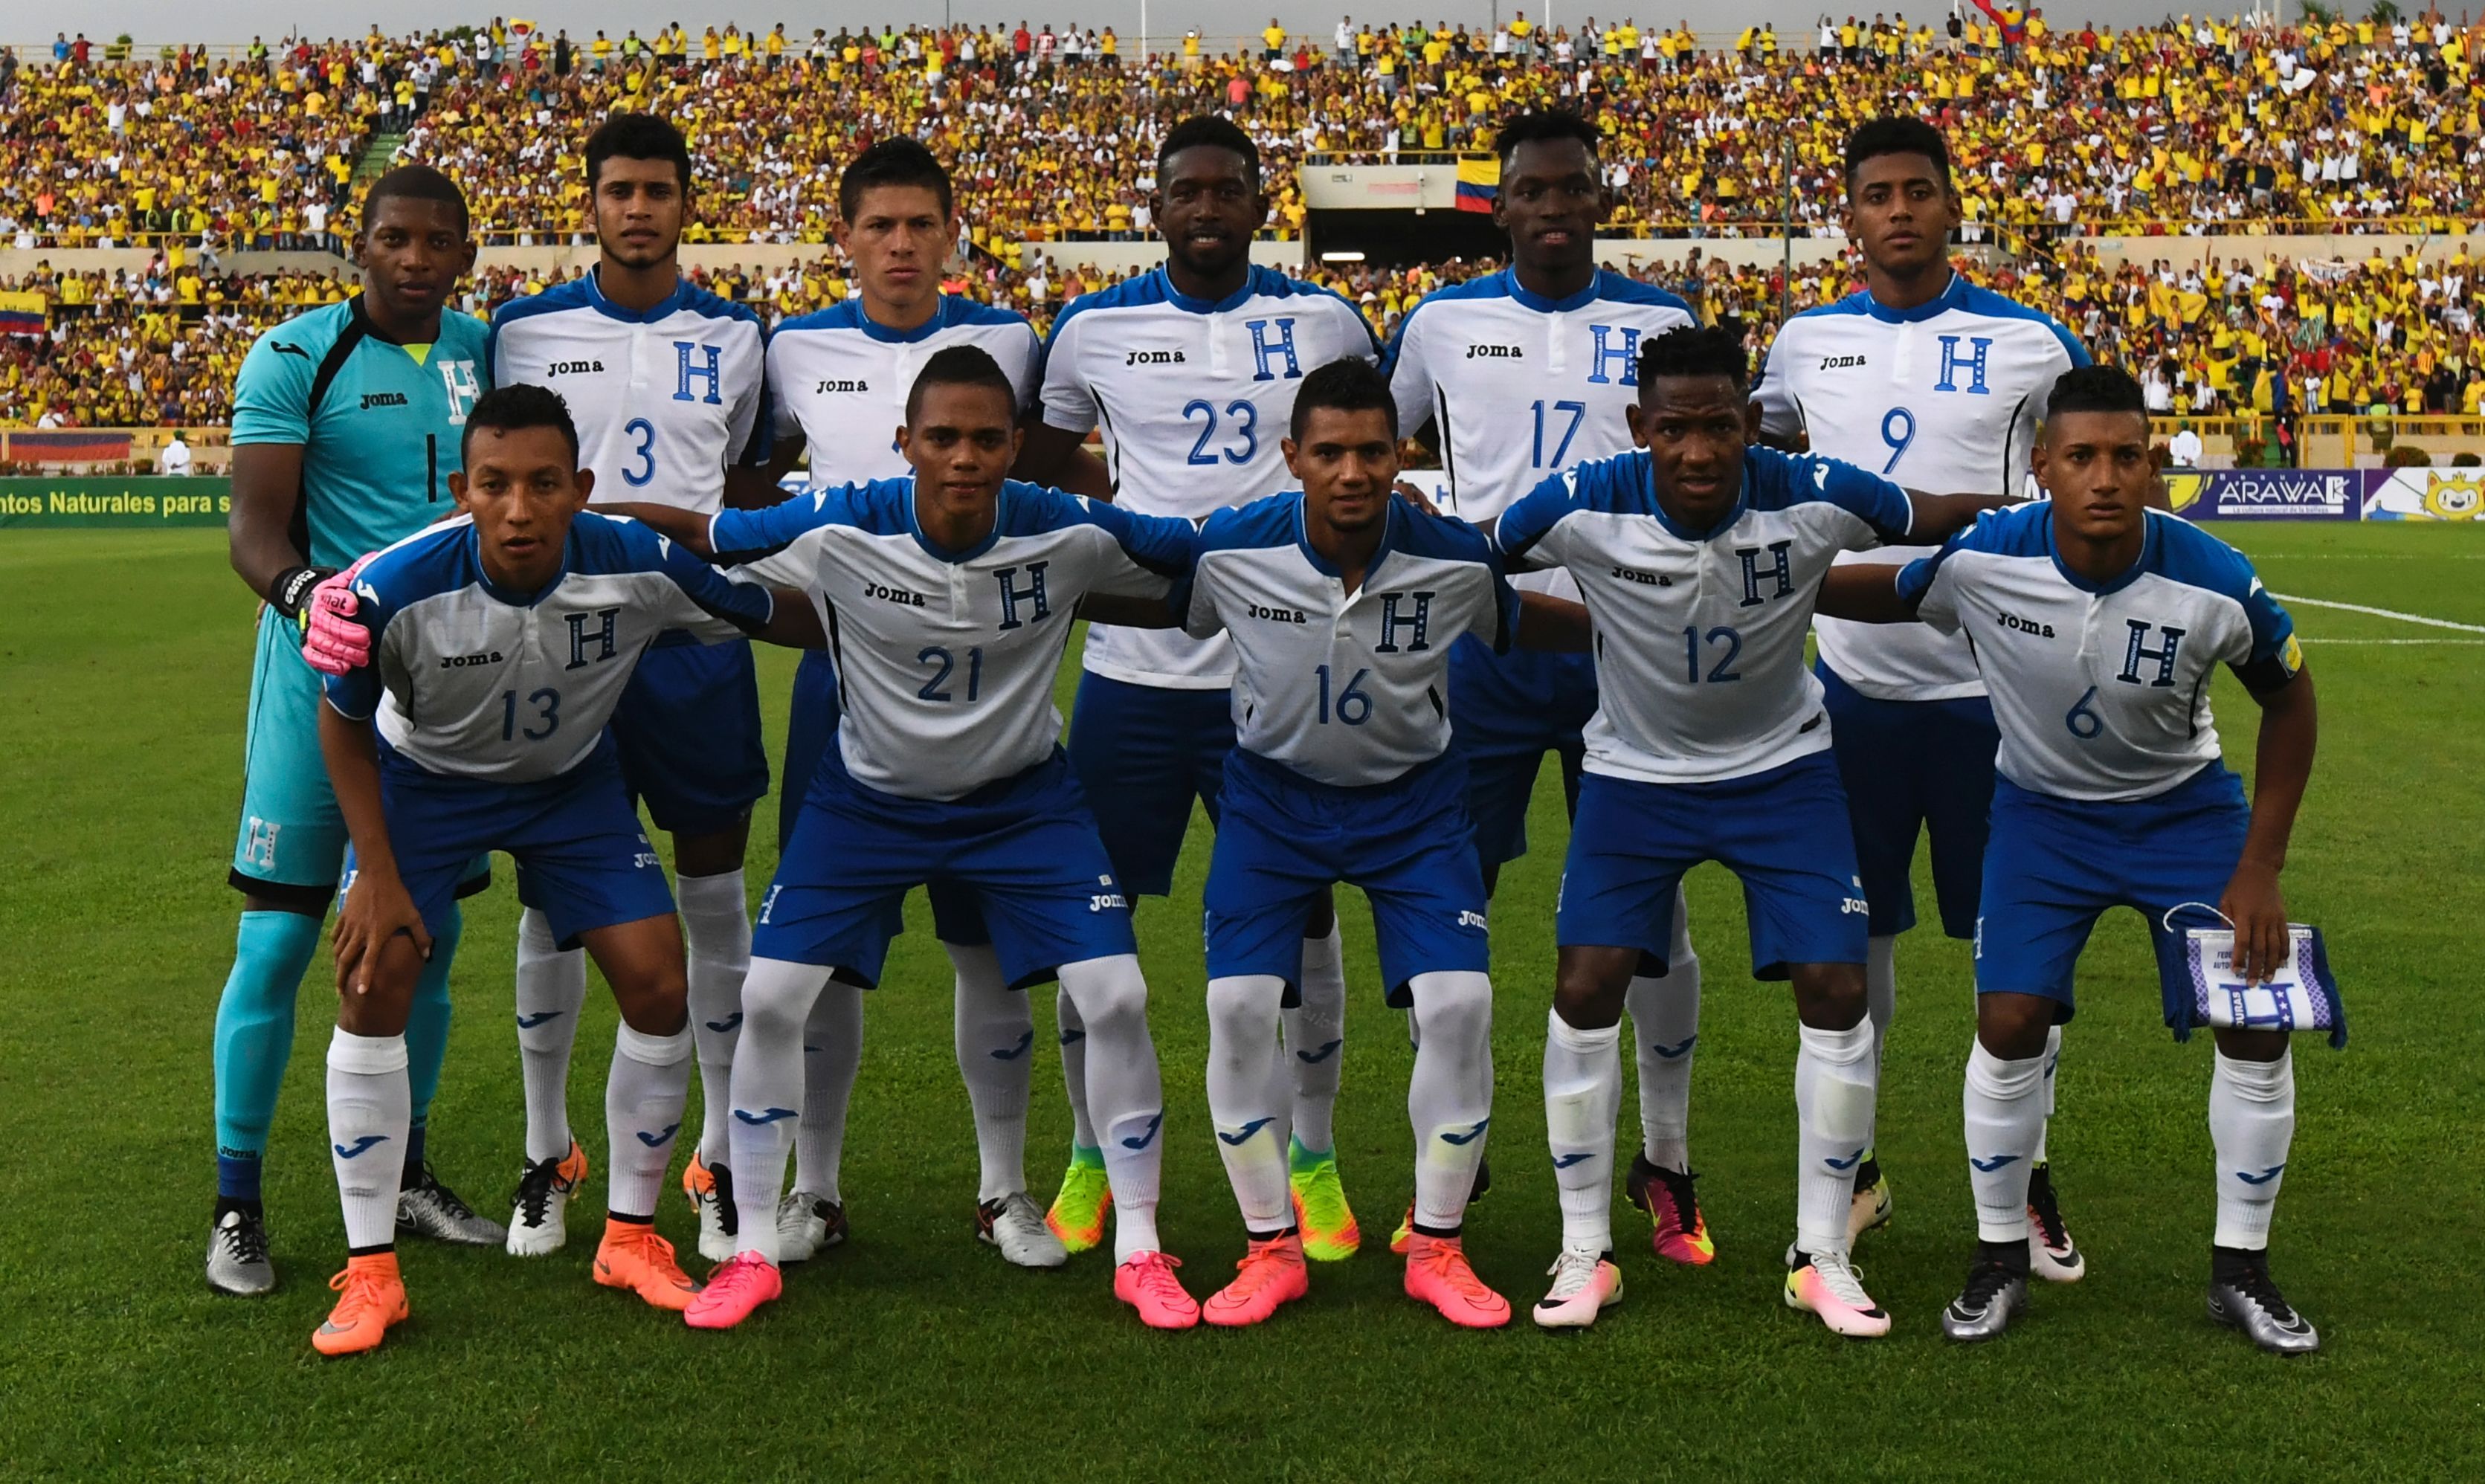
pixel 333 643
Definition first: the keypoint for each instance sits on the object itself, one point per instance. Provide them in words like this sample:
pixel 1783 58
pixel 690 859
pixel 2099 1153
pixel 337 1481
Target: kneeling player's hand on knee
pixel 376 909
pixel 2254 904
pixel 334 642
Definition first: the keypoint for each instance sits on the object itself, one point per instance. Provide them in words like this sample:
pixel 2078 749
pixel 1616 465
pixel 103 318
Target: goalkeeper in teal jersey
pixel 345 431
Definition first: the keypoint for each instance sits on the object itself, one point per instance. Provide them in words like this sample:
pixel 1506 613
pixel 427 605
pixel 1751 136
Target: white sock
pixel 1665 1027
pixel 2053 1063
pixel 2005 1121
pixel 831 1056
pixel 1074 1069
pixel 1834 1083
pixel 1449 1098
pixel 1315 1041
pixel 1111 997
pixel 642 1113
pixel 2251 1122
pixel 1583 1075
pixel 369 1104
pixel 1246 1096
pixel 716 932
pixel 768 1092
pixel 552 991
pixel 995 1041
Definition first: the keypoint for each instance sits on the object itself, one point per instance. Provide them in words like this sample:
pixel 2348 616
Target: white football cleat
pixel 544 1187
pixel 1015 1223
pixel 807 1226
pixel 1585 1284
pixel 1827 1285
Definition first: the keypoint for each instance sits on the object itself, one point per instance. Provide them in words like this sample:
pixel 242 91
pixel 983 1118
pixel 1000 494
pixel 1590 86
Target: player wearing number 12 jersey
pixel 1936 384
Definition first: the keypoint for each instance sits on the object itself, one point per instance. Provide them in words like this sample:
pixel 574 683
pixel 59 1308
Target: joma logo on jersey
pixel 1108 902
pixel 893 595
pixel 1154 358
pixel 604 637
pixel 1643 579
pixel 573 367
pixel 834 384
pixel 1495 353
pixel 1840 362
pixel 2013 621
pixel 371 399
pixel 1279 615
pixel 461 662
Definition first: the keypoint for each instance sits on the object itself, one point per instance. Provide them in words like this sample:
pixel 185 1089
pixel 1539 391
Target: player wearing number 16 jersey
pixel 1513 377
pixel 1936 384
pixel 668 385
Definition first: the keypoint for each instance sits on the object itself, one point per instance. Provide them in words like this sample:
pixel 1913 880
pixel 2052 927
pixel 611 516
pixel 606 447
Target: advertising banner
pixel 2423 494
pixel 131 503
pixel 2266 494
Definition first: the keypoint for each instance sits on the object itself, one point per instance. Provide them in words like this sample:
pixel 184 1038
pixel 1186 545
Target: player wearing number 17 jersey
pixel 1936 384
pixel 668 385
pixel 1513 377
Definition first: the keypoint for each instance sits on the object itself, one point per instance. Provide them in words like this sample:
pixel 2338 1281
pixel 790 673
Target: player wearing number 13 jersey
pixel 668 385
pixel 1936 384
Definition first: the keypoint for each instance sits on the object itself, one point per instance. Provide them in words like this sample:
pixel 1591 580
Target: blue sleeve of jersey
pixel 1522 526
pixel 746 605
pixel 2272 626
pixel 1163 544
pixel 1505 605
pixel 271 397
pixel 1862 493
pixel 747 535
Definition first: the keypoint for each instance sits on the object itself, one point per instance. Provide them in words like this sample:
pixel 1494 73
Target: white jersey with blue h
pixel 1345 689
pixel 470 678
pixel 1194 395
pixel 1700 634
pixel 664 400
pixel 945 660
pixel 2102 693
pixel 1943 397
pixel 839 380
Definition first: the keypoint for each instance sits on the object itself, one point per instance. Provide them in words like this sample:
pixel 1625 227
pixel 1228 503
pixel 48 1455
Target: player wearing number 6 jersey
pixel 1936 384
pixel 668 385
pixel 1698 560
pixel 1513 377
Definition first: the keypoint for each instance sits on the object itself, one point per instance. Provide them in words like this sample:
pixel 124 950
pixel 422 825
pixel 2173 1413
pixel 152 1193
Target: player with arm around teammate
pixel 496 648
pixel 2097 623
pixel 1699 559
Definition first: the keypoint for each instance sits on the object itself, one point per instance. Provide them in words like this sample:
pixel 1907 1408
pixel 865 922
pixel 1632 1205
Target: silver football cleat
pixel 429 1209
pixel 1993 1298
pixel 2250 1303
pixel 237 1256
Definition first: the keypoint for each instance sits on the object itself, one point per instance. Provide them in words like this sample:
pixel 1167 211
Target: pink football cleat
pixel 735 1289
pixel 1146 1282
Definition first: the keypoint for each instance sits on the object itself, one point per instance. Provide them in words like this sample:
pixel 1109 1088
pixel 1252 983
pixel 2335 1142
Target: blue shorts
pixel 575 838
pixel 689 729
pixel 1784 832
pixel 292 844
pixel 810 726
pixel 2056 864
pixel 1505 712
pixel 1913 767
pixel 1026 847
pixel 1284 839
pixel 1143 753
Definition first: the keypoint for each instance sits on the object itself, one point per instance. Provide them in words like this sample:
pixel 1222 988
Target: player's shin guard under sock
pixel 1315 1040
pixel 1247 1096
pixel 2053 1068
pixel 1583 1075
pixel 1665 1027
pixel 552 991
pixel 1449 1098
pixel 254 1038
pixel 427 1028
pixel 2004 1104
pixel 767 1092
pixel 1834 1083
pixel 832 1041
pixel 368 1101
pixel 1074 1071
pixel 642 1113
pixel 1122 1091
pixel 716 934
pixel 2251 1122
pixel 995 1044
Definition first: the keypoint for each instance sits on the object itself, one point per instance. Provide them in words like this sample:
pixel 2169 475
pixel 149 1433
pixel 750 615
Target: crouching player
pixel 2097 624
pixel 492 650
pixel 952 594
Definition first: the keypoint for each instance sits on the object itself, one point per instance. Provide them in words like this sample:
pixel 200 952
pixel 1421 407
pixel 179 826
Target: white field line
pixel 2426 643
pixel 2358 608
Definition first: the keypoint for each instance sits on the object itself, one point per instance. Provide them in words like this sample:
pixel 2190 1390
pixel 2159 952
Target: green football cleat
pixel 1321 1211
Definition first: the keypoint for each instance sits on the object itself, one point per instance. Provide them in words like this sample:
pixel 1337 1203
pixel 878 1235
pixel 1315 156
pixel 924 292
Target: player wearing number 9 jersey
pixel 668 385
pixel 1192 371
pixel 1937 384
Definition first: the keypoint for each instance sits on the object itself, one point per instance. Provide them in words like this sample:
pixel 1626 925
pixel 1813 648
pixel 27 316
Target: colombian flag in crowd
pixel 1478 182
pixel 2013 22
pixel 23 313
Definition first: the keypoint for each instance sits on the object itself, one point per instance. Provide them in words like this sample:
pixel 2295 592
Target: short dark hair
pixel 893 161
pixel 1693 350
pixel 1543 126
pixel 959 365
pixel 2095 389
pixel 1351 385
pixel 1898 136
pixel 415 182
pixel 638 137
pixel 519 405
pixel 1214 131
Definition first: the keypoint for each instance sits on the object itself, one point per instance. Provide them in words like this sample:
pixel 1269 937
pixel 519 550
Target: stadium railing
pixel 2335 442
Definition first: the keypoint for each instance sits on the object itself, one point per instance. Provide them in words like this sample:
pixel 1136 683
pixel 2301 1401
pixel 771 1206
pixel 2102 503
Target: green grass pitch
pixel 913 1352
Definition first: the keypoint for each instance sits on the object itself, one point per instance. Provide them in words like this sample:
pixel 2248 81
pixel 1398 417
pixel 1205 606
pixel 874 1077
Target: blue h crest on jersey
pixel 605 637
pixel 2138 650
pixel 1626 351
pixel 713 373
pixel 1262 352
pixel 1973 363
pixel 1033 592
pixel 1415 623
pixel 1781 569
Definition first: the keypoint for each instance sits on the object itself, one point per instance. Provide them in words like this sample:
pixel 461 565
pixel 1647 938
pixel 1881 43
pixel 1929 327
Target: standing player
pixel 839 379
pixel 1558 337
pixel 952 594
pixel 345 424
pixel 1192 371
pixel 1698 560
pixel 492 651
pixel 2097 624
pixel 1936 384
pixel 665 381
